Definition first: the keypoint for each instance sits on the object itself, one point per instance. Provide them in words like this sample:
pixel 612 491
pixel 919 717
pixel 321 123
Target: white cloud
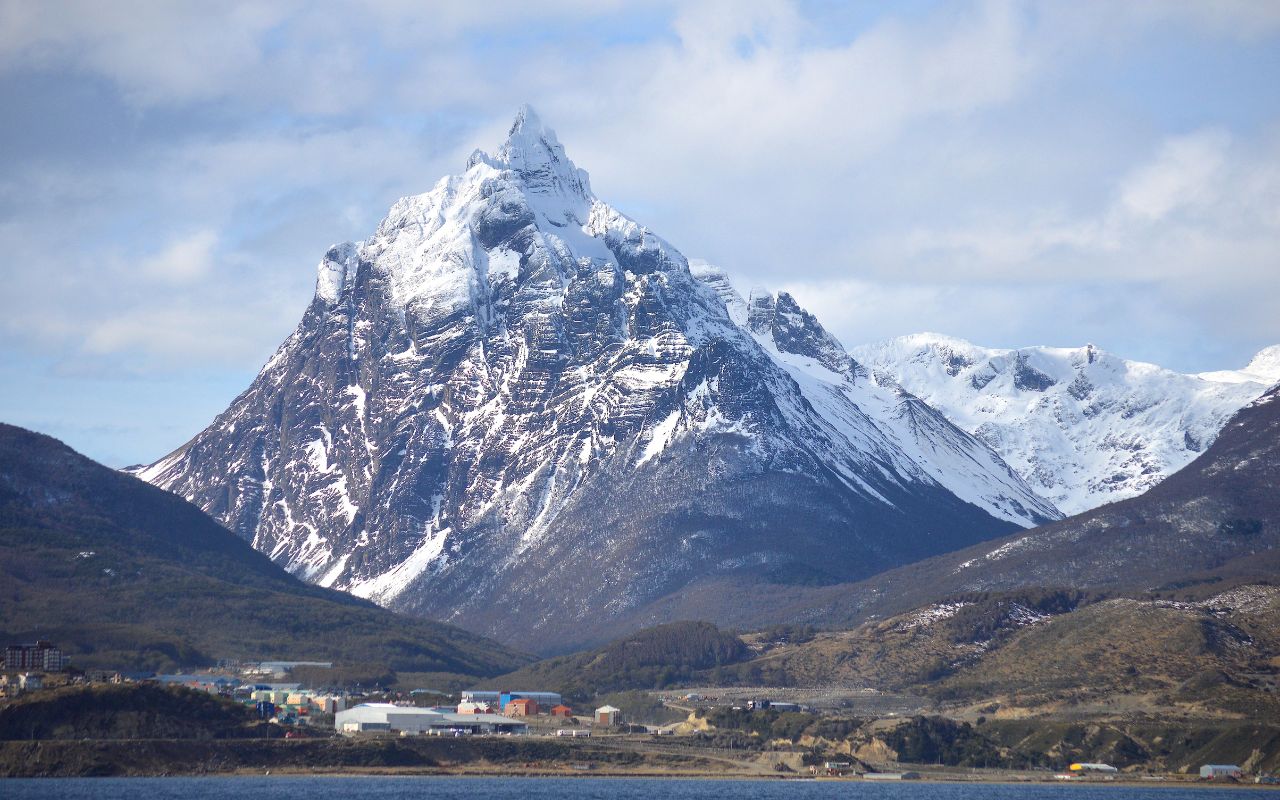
pixel 184 261
pixel 706 103
pixel 1013 173
pixel 307 58
pixel 1183 173
pixel 1187 249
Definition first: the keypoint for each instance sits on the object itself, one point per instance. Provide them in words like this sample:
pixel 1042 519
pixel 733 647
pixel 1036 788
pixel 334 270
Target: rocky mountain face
pixel 516 409
pixel 1213 524
pixel 838 389
pixel 1083 427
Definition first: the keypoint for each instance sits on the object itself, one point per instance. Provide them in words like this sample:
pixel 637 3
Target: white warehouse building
pixel 389 718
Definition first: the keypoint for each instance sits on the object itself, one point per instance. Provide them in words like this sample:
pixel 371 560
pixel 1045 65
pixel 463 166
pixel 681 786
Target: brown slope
pixel 124 574
pixel 1063 654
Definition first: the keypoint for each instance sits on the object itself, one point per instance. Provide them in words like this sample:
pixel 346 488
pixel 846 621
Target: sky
pixel 1013 173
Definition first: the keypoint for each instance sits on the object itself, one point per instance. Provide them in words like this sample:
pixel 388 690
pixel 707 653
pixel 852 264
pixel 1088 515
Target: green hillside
pixel 653 658
pixel 128 711
pixel 122 574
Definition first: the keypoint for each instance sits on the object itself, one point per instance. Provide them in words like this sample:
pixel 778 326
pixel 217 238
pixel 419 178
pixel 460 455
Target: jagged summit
pixel 964 349
pixel 511 388
pixel 533 154
pixel 453 244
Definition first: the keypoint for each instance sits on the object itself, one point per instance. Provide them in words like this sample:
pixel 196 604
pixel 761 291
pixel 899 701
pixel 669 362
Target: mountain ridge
pixel 1081 425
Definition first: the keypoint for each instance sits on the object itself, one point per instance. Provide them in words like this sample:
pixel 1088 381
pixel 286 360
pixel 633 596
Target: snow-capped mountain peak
pixel 511 388
pixel 1083 426
pixel 533 152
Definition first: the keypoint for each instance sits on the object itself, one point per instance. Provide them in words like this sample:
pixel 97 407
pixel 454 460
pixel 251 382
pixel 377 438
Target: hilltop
pixel 122 574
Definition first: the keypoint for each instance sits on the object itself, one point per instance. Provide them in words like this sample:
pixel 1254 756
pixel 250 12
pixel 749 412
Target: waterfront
pixel 449 788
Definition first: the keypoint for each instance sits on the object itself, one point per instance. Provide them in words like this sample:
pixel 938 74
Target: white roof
pixel 491 719
pixel 388 712
pixel 382 712
pixel 607 709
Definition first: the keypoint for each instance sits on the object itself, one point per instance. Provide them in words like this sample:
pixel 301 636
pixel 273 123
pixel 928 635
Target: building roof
pixel 607 710
pixel 1081 765
pixel 491 719
pixel 380 712
pixel 373 710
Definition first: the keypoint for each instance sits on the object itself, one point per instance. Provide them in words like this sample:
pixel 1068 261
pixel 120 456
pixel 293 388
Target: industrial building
pixel 389 718
pixel 1220 771
pixel 607 715
pixel 500 699
pixel 521 707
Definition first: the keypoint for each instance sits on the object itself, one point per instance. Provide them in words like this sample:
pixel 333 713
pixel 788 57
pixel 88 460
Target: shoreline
pixel 480 758
pixel 1182 784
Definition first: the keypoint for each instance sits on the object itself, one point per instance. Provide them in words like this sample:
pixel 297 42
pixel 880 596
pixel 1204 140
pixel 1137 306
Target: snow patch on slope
pixel 383 588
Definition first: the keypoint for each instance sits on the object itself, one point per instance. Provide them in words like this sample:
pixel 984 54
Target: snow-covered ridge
pixel 1263 368
pixel 837 388
pixel 1083 426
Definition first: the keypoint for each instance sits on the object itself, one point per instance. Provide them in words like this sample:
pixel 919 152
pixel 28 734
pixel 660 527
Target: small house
pixel 607 715
pixel 562 711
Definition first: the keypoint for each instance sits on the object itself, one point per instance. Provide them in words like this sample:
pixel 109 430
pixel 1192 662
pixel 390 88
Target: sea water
pixel 453 788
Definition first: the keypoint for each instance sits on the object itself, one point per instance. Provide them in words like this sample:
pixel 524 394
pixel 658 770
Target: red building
pixel 521 707
pixel 562 711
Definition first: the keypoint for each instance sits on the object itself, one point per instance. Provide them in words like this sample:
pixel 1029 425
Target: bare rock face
pixel 518 410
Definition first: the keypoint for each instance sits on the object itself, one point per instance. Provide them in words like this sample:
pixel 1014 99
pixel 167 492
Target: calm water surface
pixel 444 788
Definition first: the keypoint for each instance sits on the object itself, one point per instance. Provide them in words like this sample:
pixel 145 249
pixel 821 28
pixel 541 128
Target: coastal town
pixel 266 687
pixel 295 711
